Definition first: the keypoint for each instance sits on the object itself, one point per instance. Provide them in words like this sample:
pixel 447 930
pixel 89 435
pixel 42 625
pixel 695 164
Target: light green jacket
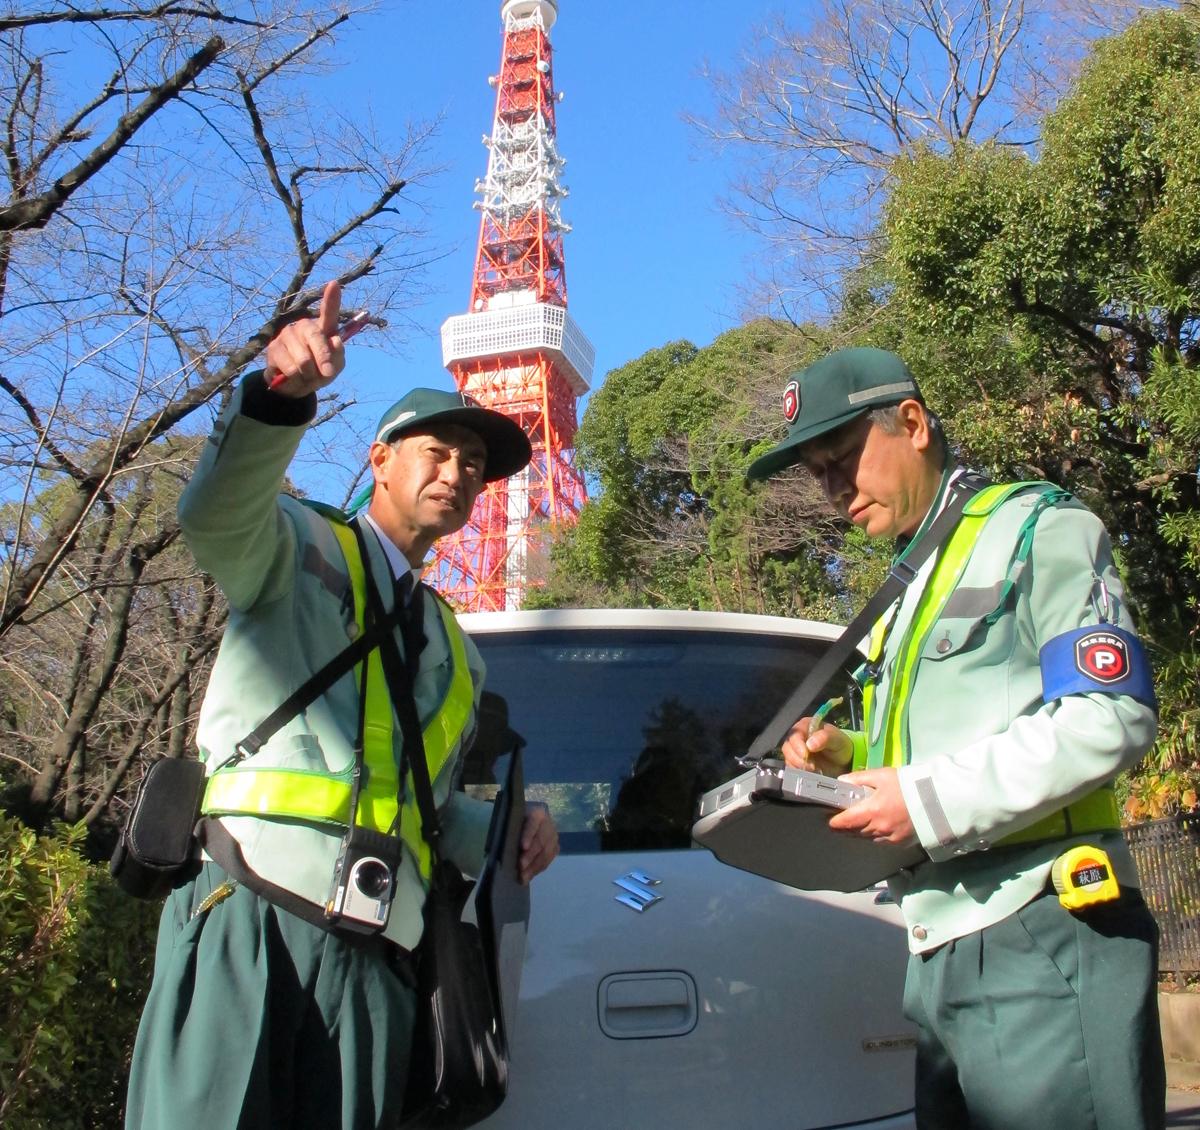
pixel 986 756
pixel 291 610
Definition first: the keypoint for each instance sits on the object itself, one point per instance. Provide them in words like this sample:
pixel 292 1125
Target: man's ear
pixel 378 457
pixel 915 419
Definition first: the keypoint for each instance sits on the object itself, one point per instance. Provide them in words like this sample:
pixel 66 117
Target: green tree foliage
pixel 827 95
pixel 669 436
pixel 1052 304
pixel 75 957
pixel 1047 297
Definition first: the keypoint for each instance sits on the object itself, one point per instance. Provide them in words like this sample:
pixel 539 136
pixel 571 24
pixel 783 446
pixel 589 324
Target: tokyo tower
pixel 517 350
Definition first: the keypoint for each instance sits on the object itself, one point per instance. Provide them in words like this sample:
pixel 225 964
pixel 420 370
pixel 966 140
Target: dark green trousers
pixel 257 1019
pixel 1045 1021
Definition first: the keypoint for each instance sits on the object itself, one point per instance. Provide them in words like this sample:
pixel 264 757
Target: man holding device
pixel 282 994
pixel 1003 692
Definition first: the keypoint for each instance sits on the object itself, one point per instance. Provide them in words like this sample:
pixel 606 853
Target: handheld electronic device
pixel 774 822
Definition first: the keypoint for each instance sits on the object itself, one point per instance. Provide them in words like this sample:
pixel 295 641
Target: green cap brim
pixel 508 447
pixel 787 452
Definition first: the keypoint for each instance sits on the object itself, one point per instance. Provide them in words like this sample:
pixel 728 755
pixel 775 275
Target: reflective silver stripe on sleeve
pixel 934 812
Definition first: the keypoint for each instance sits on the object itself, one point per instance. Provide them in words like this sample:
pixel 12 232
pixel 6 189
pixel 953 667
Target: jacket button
pixel 352 630
pixel 920 933
pixel 944 645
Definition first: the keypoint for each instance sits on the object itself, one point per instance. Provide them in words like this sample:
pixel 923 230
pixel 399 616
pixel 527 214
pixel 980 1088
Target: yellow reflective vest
pixel 890 746
pixel 324 798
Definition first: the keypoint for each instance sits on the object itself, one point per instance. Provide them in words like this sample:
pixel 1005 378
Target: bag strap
pixel 226 852
pixel 902 573
pixel 400 679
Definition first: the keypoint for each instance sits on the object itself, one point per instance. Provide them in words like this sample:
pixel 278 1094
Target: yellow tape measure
pixel 1083 876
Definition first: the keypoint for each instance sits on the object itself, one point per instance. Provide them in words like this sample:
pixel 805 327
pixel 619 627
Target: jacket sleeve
pixel 229 512
pixel 1050 753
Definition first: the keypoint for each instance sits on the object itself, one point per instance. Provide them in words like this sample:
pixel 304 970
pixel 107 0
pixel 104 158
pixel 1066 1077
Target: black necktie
pixel 411 622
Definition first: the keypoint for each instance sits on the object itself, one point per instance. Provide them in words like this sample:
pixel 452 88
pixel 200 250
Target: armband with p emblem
pixel 1097 658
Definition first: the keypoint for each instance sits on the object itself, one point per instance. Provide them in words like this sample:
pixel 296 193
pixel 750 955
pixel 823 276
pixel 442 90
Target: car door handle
pixel 647 1005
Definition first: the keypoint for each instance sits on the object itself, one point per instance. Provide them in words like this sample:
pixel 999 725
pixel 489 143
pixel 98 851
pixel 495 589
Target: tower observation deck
pixel 517 350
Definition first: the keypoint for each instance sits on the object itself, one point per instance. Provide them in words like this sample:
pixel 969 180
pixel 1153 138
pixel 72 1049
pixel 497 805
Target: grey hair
pixel 887 420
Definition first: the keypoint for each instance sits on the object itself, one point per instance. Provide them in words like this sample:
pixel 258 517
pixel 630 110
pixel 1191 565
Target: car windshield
pixel 626 729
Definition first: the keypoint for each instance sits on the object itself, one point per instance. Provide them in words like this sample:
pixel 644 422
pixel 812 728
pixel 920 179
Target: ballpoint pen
pixel 818 719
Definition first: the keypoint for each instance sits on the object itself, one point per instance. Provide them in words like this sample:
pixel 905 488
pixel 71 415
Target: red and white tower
pixel 517 350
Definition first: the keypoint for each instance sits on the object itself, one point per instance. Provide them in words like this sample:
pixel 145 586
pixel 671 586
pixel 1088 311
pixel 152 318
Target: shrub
pixel 75 961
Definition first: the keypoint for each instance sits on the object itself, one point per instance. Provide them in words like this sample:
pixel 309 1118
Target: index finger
pixel 331 305
pixel 799 729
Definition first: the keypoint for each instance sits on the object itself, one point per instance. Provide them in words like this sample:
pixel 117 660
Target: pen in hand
pixel 355 324
pixel 818 719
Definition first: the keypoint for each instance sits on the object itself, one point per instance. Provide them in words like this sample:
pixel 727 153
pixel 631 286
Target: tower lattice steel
pixel 517 350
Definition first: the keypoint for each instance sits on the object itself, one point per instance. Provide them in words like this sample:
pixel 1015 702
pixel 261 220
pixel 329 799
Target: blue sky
pixel 650 258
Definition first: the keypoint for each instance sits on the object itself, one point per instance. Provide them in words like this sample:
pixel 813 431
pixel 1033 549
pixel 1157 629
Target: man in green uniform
pixel 1003 692
pixel 267 1010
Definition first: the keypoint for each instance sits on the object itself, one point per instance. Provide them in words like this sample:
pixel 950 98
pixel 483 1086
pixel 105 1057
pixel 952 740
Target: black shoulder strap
pixel 225 851
pixel 400 676
pixel 901 575
pixel 316 684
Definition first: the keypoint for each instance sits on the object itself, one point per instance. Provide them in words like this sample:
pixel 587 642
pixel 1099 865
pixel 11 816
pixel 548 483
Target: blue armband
pixel 1098 657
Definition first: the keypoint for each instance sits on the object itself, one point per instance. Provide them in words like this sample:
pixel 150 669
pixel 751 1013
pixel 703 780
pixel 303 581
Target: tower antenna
pixel 517 350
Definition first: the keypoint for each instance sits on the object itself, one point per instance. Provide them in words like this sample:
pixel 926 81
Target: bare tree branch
pixel 122 15
pixel 35 212
pixel 171 261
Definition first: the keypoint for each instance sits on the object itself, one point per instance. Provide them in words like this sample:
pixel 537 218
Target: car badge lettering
pixel 889 1044
pixel 1102 656
pixel 637 890
pixel 791 401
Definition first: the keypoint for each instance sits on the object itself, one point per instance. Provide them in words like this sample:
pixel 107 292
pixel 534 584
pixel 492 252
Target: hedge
pixel 76 956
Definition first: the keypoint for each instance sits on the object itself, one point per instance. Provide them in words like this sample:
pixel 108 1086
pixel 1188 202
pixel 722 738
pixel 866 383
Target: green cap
pixel 508 448
pixel 832 392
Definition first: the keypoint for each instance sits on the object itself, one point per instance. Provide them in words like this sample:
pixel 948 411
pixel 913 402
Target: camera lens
pixel 372 878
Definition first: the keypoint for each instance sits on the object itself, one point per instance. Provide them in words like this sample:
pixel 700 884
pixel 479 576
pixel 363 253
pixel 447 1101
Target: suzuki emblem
pixel 636 886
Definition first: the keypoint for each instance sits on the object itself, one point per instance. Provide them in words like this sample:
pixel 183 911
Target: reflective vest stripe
pixel 377 797
pixel 296 794
pixel 320 798
pixel 890 748
pixel 1096 812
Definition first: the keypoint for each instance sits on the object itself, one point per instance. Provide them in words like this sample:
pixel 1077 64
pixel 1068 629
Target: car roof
pixel 659 619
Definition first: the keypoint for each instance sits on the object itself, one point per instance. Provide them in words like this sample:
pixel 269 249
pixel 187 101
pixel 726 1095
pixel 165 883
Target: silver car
pixel 662 988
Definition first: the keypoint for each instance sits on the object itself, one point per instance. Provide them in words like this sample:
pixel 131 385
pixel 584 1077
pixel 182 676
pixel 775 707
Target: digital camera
pixel 363 886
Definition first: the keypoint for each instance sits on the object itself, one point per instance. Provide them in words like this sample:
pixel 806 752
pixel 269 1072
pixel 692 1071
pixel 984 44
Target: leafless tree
pixel 176 191
pixel 821 107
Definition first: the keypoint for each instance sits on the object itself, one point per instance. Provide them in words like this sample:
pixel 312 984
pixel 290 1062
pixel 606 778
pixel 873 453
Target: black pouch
pixel 158 848
pixel 458 1073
